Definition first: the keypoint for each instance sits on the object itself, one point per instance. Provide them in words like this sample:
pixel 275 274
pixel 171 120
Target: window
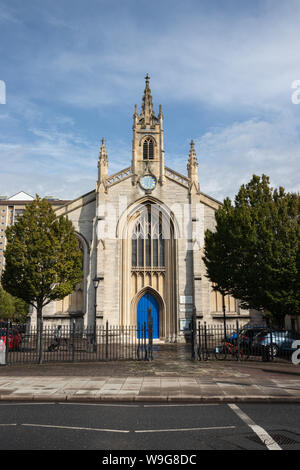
pixel 217 303
pixel 147 243
pixel 148 149
pixel 19 212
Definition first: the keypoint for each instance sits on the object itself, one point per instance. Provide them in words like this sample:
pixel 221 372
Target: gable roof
pixel 21 196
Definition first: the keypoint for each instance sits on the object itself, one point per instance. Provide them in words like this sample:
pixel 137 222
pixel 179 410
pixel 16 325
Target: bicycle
pixel 59 343
pixel 221 352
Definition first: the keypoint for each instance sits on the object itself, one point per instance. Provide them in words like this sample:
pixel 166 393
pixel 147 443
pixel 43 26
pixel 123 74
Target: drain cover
pixel 280 438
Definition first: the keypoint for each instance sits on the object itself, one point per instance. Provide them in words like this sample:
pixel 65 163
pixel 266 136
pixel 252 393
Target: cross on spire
pixel 147 105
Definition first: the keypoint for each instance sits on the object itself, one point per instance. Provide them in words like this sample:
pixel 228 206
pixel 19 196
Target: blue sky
pixel 222 70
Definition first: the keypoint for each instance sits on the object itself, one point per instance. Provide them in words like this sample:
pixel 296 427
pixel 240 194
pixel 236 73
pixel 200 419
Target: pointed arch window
pixel 148 149
pixel 147 242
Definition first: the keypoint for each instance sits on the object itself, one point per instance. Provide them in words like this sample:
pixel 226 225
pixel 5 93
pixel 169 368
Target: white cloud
pixel 245 61
pixel 236 65
pixel 229 156
pixel 51 163
pixel 63 164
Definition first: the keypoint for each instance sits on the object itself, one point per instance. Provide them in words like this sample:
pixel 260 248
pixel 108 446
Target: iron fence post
pixel 73 341
pixel 205 342
pixel 106 341
pixel 138 340
pixel 238 339
pixel 194 338
pixel 150 337
pixel 145 340
pixel 199 342
pixel 7 344
pixel 271 344
pixel 224 315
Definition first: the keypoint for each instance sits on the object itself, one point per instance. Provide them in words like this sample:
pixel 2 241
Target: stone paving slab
pixel 124 388
pixel 167 378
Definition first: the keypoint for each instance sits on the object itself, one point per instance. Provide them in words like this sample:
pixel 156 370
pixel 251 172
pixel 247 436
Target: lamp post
pixel 224 314
pixel 96 284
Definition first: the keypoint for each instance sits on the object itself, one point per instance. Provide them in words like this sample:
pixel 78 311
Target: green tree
pixel 43 261
pixel 254 253
pixel 21 310
pixel 12 308
pixel 7 307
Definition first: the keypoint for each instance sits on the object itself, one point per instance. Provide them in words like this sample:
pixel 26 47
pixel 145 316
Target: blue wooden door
pixel 142 313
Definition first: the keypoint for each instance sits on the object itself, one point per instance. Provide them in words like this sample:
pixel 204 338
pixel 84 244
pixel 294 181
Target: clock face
pixel 148 182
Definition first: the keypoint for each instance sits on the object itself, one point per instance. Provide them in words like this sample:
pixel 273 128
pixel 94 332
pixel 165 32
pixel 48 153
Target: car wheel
pixel 220 353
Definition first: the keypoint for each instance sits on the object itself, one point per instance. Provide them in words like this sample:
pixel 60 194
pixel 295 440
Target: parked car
pixel 14 339
pixel 286 348
pixel 274 342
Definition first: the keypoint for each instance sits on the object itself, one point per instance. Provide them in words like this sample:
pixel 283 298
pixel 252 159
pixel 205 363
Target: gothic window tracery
pixel 148 149
pixel 148 244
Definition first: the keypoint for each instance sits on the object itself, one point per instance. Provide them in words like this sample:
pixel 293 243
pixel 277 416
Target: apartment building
pixel 11 208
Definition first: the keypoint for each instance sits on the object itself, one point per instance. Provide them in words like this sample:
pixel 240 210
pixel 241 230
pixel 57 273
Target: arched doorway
pixel 146 302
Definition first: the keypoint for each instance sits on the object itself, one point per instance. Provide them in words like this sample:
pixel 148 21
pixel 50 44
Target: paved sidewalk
pixel 170 377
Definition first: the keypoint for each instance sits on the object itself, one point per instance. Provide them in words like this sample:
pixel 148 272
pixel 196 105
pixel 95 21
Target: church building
pixel 141 231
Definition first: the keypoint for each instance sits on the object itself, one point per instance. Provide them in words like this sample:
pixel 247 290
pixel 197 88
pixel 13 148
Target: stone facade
pixel 142 233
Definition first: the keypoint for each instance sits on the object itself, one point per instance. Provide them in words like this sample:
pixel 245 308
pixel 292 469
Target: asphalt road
pixel 62 426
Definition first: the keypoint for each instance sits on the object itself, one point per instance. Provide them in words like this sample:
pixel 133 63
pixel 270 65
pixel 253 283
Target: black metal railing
pixel 21 343
pixel 248 342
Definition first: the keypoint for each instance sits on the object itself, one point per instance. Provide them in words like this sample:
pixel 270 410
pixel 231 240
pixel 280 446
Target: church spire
pixel 147 105
pixel 103 152
pixel 192 161
pixel 192 166
pixel 147 140
pixel 102 163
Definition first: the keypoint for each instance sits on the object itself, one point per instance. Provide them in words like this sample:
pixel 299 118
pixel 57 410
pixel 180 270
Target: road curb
pixel 148 398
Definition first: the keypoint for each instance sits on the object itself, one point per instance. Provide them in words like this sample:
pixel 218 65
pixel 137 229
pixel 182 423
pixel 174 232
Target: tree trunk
pixel 40 334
